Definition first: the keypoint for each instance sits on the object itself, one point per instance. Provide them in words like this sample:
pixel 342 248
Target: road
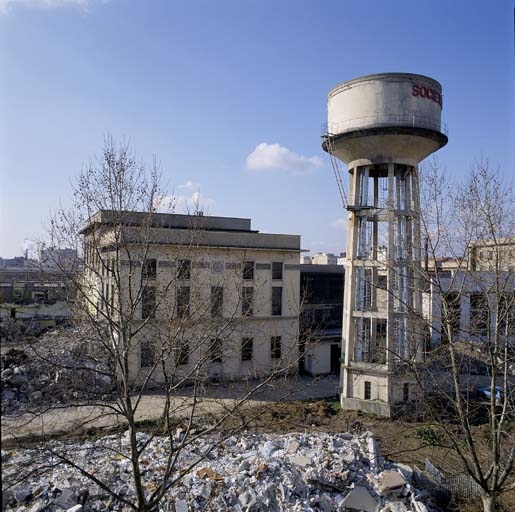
pixel 213 400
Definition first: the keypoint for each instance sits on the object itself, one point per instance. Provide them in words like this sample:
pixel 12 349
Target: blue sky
pixel 204 84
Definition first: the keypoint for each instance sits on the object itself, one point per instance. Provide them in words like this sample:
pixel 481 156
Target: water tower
pixel 382 126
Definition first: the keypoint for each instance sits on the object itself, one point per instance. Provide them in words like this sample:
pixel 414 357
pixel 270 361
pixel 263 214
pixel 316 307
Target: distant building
pixel 324 258
pixel 479 306
pixel 19 285
pixel 54 258
pixel 200 273
pixel 17 261
pixel 493 255
pixel 321 318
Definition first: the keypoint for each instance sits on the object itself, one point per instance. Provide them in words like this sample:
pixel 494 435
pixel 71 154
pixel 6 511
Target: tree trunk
pixel 488 501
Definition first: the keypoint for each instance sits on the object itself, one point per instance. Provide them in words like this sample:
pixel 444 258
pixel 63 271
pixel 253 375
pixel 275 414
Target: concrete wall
pixel 318 358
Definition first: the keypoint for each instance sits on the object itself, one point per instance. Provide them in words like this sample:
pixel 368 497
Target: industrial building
pixel 225 296
pixel 321 289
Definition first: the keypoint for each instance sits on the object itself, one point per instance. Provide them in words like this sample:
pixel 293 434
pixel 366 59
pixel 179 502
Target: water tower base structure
pixel 382 126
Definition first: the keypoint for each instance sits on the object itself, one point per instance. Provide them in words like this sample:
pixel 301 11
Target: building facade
pixel 321 318
pixel 215 297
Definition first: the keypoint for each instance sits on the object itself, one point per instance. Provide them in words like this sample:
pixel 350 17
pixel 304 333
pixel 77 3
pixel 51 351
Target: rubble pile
pixel 55 369
pixel 246 473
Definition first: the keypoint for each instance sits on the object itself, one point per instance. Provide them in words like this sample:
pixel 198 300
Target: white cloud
pixel 181 203
pixel 274 156
pixel 190 185
pixel 6 5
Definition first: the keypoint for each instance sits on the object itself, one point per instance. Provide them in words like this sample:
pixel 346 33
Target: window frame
pixel 367 390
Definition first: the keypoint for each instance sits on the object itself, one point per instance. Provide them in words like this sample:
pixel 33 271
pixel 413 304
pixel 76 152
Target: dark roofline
pixel 169 221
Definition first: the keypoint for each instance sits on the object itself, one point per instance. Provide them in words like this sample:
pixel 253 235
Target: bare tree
pixel 469 270
pixel 151 324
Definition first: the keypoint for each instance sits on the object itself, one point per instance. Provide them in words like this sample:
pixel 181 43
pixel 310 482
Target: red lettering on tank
pixel 427 93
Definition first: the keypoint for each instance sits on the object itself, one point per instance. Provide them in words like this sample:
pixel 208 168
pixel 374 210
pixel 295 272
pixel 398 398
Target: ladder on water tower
pixel 338 174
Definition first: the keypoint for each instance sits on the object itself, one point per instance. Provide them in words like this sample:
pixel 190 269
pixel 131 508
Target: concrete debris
pixel 53 369
pixel 389 483
pixel 360 499
pixel 250 472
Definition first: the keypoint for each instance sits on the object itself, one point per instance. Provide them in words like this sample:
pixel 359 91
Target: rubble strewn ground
pixel 326 471
pixel 250 472
pixel 38 370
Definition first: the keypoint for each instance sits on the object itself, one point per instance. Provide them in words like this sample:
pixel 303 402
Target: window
pixel 182 353
pixel 246 349
pixel 277 270
pixel 275 347
pixel 277 300
pixel 149 269
pixel 183 301
pixel 405 392
pixel 215 350
pixel 381 282
pixel 368 390
pixel 246 300
pixel 148 302
pixel 147 354
pixel 217 301
pixel 364 283
pixel 451 316
pixel 248 270
pixel 184 270
pixel 479 314
pixel 506 314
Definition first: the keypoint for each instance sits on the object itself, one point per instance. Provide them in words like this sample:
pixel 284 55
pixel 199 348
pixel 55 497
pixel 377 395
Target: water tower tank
pixel 385 117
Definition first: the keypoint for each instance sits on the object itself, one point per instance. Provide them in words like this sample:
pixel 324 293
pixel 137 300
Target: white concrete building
pixel 324 258
pixel 224 297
